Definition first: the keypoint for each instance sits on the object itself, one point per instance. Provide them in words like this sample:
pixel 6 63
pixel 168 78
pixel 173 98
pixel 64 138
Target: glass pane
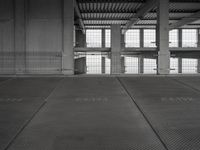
pixel 173 38
pixel 108 37
pixel 189 38
pixel 150 66
pixel 189 65
pixel 149 38
pixel 131 65
pixel 174 65
pixel 132 38
pixel 93 38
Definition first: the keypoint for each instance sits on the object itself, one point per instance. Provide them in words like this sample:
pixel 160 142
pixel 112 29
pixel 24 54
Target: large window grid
pixel 149 38
pixel 94 38
pixel 173 38
pixel 131 64
pixel 189 38
pixel 96 62
pixel 132 38
pixel 173 65
pixel 108 38
pixel 150 66
pixel 189 65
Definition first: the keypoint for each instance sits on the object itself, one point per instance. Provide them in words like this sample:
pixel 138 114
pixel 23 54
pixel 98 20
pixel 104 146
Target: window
pixel 107 66
pixel 93 63
pixel 108 37
pixel 173 38
pixel 132 38
pixel 150 66
pixel 131 65
pixel 189 37
pixel 189 65
pixel 94 38
pixel 173 65
pixel 149 38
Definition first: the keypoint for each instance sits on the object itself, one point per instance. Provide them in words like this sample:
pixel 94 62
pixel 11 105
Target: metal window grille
pixel 94 38
pixel 173 38
pixel 189 65
pixel 173 65
pixel 149 38
pixel 132 38
pixel 189 37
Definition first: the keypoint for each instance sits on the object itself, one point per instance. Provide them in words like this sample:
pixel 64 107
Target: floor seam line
pixel 187 85
pixel 143 114
pixel 31 118
pixel 23 127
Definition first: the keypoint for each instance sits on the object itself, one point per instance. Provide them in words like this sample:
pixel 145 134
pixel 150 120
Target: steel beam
pixel 185 21
pixel 150 4
pixel 79 16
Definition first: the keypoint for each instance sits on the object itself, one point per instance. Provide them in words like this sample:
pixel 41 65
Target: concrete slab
pixel 88 114
pixel 193 82
pixel 3 80
pixel 19 100
pixel 172 108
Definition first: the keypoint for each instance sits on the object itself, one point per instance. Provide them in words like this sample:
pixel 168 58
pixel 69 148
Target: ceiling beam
pixel 148 6
pixel 79 16
pixel 185 21
pixel 133 1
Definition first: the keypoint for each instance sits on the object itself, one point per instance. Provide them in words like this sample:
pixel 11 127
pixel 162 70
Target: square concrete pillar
pixel 198 37
pixel 80 39
pixel 20 36
pixel 103 65
pixel 123 41
pixel 180 38
pixel 103 38
pixel 163 38
pixel 198 66
pixel 180 65
pixel 123 69
pixel 68 33
pixel 141 65
pixel 116 49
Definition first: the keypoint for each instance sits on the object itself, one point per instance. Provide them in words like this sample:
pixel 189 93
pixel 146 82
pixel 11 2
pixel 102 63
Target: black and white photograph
pixel 99 74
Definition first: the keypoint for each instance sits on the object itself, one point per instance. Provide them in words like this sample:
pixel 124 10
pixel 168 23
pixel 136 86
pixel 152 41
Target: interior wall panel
pixel 44 36
pixel 7 59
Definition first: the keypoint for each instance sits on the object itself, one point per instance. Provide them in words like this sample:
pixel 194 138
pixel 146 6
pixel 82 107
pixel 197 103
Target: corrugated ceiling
pixel 103 13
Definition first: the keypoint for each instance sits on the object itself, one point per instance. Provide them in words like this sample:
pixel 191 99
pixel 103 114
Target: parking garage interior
pixel 99 75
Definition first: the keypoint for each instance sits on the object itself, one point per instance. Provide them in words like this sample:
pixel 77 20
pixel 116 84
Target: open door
pixel 80 65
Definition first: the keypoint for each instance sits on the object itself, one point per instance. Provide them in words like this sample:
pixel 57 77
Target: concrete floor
pixel 100 113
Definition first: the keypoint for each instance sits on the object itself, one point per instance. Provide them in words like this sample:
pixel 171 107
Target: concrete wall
pixel 7 61
pixel 43 36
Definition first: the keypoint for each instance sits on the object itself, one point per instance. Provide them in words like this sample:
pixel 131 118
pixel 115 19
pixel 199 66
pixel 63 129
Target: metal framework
pixel 140 13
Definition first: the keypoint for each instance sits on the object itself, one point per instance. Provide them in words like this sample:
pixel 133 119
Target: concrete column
pixel 198 37
pixel 103 38
pixel 122 41
pixel 116 49
pixel 198 66
pixel 122 65
pixel 80 39
pixel 180 38
pixel 179 65
pixel 141 65
pixel 163 38
pixel 68 27
pixel 20 36
pixel 103 65
pixel 141 38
